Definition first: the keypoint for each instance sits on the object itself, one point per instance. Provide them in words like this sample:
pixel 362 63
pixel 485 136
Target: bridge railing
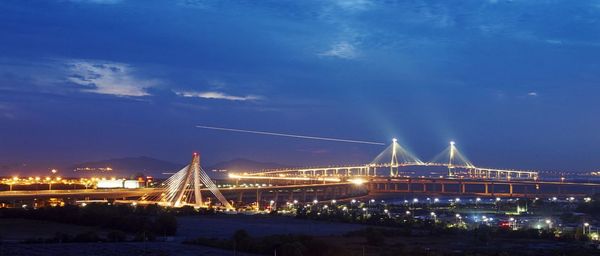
pixel 370 170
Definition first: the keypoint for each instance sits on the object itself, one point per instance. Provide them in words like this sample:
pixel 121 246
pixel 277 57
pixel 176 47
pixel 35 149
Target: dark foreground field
pixel 216 232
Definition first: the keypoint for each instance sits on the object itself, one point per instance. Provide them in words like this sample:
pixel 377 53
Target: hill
pixel 126 167
pixel 222 169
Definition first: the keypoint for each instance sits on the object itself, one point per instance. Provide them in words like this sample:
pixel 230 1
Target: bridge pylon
pixel 395 156
pixel 455 159
pixel 185 187
pixel 394 160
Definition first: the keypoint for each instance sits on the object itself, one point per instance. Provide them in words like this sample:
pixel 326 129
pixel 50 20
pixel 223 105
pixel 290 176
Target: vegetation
pixel 282 244
pixel 592 208
pixel 148 221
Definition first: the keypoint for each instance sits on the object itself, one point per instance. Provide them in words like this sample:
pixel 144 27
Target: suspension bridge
pixel 391 160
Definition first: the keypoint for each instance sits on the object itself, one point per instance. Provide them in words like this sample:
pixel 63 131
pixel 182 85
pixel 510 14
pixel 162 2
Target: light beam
pixel 288 135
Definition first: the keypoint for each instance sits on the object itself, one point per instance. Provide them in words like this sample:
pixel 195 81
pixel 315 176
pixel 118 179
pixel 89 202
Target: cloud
pixel 97 1
pixel 217 96
pixel 532 94
pixel 353 5
pixel 554 41
pixel 342 50
pixel 108 78
pixel 197 4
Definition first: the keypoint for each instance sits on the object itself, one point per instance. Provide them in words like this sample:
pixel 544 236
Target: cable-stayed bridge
pixel 185 188
pixel 191 186
pixel 388 162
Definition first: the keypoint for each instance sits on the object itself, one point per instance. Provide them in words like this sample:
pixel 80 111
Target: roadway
pixel 128 193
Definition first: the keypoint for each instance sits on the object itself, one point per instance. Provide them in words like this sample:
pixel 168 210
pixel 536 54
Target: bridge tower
pixel 192 176
pixel 393 157
pixel 394 160
pixel 452 152
pixel 185 188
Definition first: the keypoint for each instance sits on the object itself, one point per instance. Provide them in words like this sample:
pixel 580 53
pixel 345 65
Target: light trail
pixel 288 135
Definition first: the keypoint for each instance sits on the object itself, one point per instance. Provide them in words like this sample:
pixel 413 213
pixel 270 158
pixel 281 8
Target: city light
pixel 357 181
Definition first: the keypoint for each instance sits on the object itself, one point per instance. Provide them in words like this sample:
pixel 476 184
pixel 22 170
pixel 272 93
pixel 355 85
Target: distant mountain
pixel 128 166
pixel 241 164
pixel 222 169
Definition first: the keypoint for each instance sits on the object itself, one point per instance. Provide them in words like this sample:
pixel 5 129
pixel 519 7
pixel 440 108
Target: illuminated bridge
pixel 390 160
pixel 191 186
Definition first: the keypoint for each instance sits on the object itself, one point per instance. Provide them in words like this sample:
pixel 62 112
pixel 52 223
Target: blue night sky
pixel 515 83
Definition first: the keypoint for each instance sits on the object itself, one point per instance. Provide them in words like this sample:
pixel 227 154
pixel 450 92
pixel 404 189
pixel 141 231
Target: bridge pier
pixel 304 195
pixel 258 194
pixel 241 196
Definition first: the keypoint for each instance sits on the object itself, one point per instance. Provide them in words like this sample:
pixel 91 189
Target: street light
pixel 586 226
pixel 458 218
pixel 549 223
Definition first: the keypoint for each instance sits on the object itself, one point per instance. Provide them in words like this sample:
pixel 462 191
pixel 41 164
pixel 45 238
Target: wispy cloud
pixel 353 5
pixel 108 78
pixel 198 4
pixel 97 1
pixel 343 50
pixel 217 95
pixel 532 94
